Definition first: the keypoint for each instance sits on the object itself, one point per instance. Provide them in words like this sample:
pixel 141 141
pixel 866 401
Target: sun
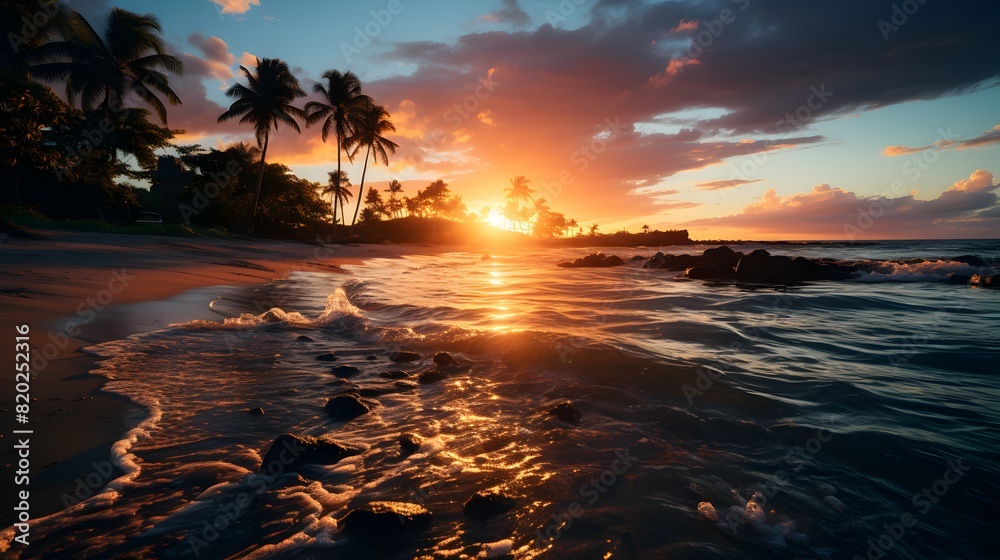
pixel 496 219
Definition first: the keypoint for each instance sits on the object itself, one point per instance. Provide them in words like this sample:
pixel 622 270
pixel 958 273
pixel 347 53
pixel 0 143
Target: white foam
pixel 927 271
pixel 496 549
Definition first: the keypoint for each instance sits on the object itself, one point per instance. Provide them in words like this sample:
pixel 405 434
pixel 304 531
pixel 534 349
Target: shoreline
pixel 77 290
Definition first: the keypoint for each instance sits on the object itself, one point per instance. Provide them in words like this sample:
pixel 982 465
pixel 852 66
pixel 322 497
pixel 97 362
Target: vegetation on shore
pixel 74 156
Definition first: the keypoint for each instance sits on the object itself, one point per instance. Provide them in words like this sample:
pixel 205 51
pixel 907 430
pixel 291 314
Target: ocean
pixel 828 420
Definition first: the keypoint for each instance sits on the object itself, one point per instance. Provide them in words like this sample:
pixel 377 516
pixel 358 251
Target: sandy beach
pixel 77 289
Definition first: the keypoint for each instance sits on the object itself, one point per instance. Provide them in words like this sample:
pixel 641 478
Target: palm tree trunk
pixel 362 190
pixel 336 188
pixel 260 181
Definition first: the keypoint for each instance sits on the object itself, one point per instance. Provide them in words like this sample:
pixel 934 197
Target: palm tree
pixel 21 51
pixel 645 228
pixel 103 70
pixel 340 191
pixel 518 190
pixel 373 123
pixel 264 103
pixel 395 187
pixel 342 101
pixel 572 224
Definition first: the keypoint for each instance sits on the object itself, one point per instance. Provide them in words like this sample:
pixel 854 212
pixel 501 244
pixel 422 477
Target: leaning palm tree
pixel 264 103
pixel 395 188
pixel 102 71
pixel 373 123
pixel 339 110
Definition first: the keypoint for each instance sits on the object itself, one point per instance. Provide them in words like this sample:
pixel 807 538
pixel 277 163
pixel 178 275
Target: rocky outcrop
pixel 404 356
pixel 972 260
pixel 485 504
pixel 672 262
pixel 344 371
pixel 711 272
pixel 386 520
pixel 444 359
pixel 347 406
pixel 290 451
pixel 410 443
pixel 566 412
pixel 596 260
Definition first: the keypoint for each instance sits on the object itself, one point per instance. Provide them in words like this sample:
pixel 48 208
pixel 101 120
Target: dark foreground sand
pixel 77 289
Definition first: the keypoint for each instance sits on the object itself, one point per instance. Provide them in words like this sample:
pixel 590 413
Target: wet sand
pixel 78 289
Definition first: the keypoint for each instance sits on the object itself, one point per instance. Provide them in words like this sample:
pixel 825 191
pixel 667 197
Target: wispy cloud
pixel 720 185
pixel 989 138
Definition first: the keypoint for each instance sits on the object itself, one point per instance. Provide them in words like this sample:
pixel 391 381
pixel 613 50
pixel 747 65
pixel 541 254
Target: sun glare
pixel 495 219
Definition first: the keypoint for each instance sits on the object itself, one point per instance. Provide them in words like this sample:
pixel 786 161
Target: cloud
pixel 968 208
pixel 987 139
pixel 235 6
pixel 685 26
pixel 511 13
pixel 216 55
pixel 248 60
pixel 720 185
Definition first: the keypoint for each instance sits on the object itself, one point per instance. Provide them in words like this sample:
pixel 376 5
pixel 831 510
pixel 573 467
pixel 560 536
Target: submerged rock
pixel 386 520
pixel 672 262
pixel 371 358
pixel 258 411
pixel 444 359
pixel 566 412
pixel 409 443
pixel 485 504
pixel 711 272
pixel 394 374
pixel 404 356
pixel 328 357
pixel 304 338
pixel 431 376
pixel 596 260
pixel 346 407
pixel 345 370
pixel 290 451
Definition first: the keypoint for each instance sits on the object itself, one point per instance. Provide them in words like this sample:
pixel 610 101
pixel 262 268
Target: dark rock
pixel 259 411
pixel 487 503
pixel 672 262
pixel 410 443
pixel 721 255
pixel 983 281
pixel 304 338
pixel 371 358
pixel 386 520
pixel 972 260
pixel 394 374
pixel 566 412
pixel 290 451
pixel 596 260
pixel 404 356
pixel 345 370
pixel 711 271
pixel 328 357
pixel 637 258
pixel 431 376
pixel 444 359
pixel 959 279
pixel 346 407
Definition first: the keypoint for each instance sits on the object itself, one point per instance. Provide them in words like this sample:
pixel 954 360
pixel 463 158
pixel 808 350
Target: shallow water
pixel 720 420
